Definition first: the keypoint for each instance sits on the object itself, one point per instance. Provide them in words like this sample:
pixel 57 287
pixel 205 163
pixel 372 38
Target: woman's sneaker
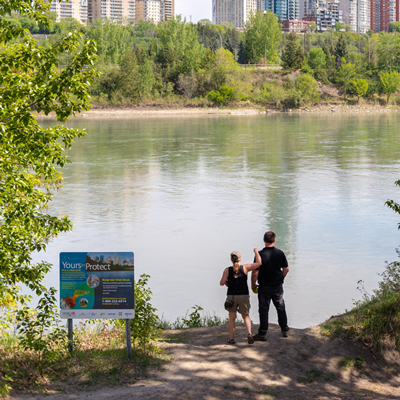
pixel 250 339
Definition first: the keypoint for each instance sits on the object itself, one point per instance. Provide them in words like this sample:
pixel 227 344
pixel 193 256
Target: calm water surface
pixel 182 193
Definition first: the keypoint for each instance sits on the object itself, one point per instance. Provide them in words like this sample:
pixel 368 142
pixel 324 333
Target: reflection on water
pixel 182 193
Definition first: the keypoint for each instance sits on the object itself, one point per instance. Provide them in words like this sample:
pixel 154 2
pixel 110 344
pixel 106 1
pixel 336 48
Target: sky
pixel 198 9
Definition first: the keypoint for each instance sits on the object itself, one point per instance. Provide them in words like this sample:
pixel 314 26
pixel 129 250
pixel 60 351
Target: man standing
pixel 271 275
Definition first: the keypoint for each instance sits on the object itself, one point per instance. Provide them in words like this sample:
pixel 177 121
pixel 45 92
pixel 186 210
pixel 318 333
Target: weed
pixel 246 389
pixel 269 392
pixel 311 376
pixel 346 362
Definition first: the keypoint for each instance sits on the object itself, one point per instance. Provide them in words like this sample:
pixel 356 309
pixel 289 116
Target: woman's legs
pixel 247 323
pixel 232 325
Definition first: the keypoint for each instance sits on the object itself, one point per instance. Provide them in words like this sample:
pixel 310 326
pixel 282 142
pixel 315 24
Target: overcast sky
pixel 198 9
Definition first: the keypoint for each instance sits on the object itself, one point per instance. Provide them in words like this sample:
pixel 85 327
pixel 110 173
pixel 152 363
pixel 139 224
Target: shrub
pixel 306 88
pixel 360 86
pixel 273 93
pixel 40 331
pixel 317 59
pixel 222 96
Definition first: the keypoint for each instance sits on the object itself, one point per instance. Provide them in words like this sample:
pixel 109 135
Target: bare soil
pixel 303 366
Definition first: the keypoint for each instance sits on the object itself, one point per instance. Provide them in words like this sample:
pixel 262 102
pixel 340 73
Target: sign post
pixel 97 286
pixel 128 338
pixel 70 335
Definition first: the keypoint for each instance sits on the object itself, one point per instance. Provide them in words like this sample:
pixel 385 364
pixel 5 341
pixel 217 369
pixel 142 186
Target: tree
pixel 307 89
pixel 187 84
pixel 317 58
pixel 223 64
pixel 262 31
pixel 179 50
pixel 361 87
pixel 136 78
pixel 345 75
pixel 30 155
pixel 242 58
pixel 390 83
pixel 339 26
pixel 388 51
pixel 394 27
pixel 313 27
pixel 341 48
pixel 292 57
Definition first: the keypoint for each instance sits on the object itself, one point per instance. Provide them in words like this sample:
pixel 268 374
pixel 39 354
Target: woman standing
pixel 235 278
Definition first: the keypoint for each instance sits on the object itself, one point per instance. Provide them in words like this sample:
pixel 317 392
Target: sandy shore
pixel 303 366
pixel 191 112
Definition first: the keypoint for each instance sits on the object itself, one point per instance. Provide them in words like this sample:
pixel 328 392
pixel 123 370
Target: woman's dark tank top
pixel 237 286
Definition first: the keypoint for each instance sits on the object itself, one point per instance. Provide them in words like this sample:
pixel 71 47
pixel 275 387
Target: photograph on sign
pixel 97 285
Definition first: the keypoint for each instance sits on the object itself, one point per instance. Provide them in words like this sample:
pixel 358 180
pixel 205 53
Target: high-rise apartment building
pixel 383 13
pixel 154 10
pixel 283 9
pixel 236 12
pixel 77 9
pixel 360 15
pixel 325 13
pixel 118 10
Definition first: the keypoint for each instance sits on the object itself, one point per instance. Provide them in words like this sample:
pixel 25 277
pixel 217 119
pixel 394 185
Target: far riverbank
pixel 148 111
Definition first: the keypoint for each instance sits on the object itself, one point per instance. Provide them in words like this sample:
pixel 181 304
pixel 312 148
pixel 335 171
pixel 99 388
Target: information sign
pixel 97 285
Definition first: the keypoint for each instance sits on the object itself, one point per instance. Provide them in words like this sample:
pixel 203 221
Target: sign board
pixel 97 285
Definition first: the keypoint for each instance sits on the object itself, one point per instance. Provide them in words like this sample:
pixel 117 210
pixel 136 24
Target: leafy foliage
pixel 222 96
pixel 40 331
pixel 292 57
pixel 262 30
pixel 390 83
pixel 29 154
pixel 145 324
pixel 360 86
pixel 307 89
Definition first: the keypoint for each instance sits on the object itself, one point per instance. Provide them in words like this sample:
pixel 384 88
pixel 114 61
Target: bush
pixel 273 93
pixel 222 96
pixel 40 331
pixel 306 88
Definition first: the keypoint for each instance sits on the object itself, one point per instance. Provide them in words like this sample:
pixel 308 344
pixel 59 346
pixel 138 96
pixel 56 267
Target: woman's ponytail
pixel 236 263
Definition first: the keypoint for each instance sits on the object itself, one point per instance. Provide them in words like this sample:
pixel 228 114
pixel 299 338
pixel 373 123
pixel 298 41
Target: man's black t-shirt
pixel 270 273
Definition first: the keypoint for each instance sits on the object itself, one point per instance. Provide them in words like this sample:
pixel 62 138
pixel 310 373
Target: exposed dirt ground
pixel 205 367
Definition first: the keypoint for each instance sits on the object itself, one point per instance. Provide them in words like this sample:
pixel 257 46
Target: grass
pixel 374 321
pixel 313 374
pixel 346 362
pixel 206 320
pixel 99 359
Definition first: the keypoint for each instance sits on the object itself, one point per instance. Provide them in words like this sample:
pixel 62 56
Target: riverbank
pixel 138 111
pixel 248 110
pixel 309 364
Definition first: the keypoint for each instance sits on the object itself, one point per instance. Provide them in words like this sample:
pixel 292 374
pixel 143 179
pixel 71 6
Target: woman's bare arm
pixel 224 277
pixel 251 267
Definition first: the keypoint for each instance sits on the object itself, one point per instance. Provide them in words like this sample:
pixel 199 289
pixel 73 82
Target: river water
pixel 183 192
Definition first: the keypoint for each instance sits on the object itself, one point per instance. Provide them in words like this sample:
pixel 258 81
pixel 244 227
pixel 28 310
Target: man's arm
pixel 285 272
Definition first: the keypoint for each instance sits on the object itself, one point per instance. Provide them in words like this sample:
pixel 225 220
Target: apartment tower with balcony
pixel 236 12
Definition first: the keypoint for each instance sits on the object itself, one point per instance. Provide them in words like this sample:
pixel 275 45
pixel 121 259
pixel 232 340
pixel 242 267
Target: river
pixel 183 192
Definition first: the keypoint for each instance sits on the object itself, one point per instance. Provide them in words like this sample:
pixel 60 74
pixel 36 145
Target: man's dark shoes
pixel 285 333
pixel 259 338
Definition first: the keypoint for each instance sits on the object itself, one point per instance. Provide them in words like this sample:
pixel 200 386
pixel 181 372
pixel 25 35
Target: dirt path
pixel 205 367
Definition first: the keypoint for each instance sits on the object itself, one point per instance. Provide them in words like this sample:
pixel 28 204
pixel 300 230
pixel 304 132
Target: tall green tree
pixel 30 155
pixel 388 50
pixel 262 31
pixel 345 75
pixel 242 58
pixel 341 48
pixel 179 49
pixel 136 78
pixel 292 57
pixel 390 83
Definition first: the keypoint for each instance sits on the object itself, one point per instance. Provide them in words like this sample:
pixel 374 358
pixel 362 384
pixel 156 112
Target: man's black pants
pixel 265 295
